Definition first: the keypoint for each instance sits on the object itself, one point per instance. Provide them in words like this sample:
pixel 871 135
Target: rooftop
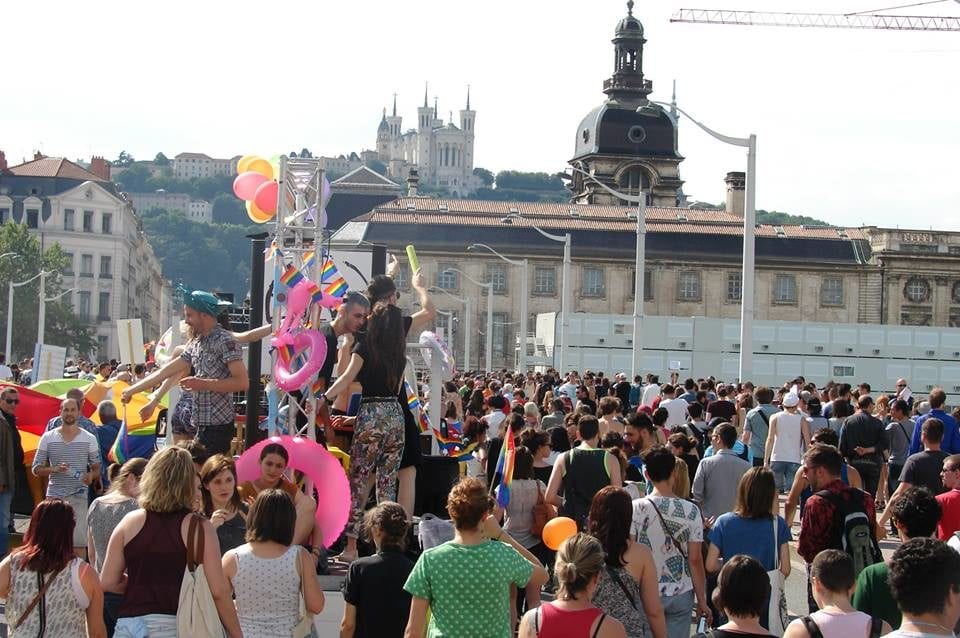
pixel 54 167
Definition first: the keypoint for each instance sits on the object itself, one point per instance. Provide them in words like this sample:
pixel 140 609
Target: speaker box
pixel 436 476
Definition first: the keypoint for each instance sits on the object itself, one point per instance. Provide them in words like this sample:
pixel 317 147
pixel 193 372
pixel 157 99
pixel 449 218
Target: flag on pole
pixel 291 277
pixel 308 259
pixel 503 474
pixel 270 251
pixel 334 285
pixel 136 442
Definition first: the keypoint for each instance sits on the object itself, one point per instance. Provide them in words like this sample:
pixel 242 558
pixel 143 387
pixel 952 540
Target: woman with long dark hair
pixel 222 503
pixel 377 363
pixel 627 589
pixel 475 406
pixel 49 591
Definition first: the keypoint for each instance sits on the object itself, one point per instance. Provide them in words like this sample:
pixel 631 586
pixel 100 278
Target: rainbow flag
pixel 308 259
pixel 138 442
pixel 503 474
pixel 328 271
pixel 334 283
pixel 413 403
pixel 336 288
pixel 291 277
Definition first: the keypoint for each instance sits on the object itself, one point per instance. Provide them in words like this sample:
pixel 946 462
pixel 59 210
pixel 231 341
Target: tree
pixel 529 181
pixel 62 327
pixel 161 160
pixel 124 159
pixel 134 179
pixel 227 209
pixel 485 176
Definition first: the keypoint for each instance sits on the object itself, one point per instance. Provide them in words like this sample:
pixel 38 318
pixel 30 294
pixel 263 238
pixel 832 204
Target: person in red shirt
pixel 950 500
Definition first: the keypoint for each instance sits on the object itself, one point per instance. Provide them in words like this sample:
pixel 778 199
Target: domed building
pixel 622 148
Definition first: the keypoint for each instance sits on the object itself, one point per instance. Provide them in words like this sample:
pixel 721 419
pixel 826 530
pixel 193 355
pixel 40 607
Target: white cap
pixel 791 400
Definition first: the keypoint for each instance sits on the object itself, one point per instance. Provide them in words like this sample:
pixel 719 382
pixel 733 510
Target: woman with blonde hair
pixel 680 478
pixel 104 515
pixel 580 561
pixel 147 553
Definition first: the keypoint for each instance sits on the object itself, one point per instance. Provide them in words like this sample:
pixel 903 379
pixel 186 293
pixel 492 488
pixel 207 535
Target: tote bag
pixel 777 611
pixel 197 613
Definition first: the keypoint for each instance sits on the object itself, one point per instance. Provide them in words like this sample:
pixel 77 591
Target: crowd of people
pixel 683 494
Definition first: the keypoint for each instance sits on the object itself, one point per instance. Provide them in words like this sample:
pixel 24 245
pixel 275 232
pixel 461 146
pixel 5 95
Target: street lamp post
pixel 639 267
pixel 488 358
pixel 524 266
pixel 749 234
pixel 13 285
pixel 467 324
pixel 565 286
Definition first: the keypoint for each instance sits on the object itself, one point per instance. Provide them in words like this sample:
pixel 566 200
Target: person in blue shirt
pixel 106 435
pixel 951 436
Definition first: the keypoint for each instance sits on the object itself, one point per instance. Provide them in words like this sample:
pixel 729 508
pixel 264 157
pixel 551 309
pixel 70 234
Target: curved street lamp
pixel 467 323
pixel 524 268
pixel 488 358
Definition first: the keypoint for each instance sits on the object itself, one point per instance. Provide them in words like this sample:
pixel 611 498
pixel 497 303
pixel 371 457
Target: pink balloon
pixel 246 184
pixel 331 302
pixel 266 196
pixel 329 479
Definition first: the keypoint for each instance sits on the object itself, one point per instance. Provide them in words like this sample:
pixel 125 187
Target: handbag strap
pixel 666 530
pixel 776 544
pixel 41 592
pixel 811 626
pixel 616 578
pixel 596 632
pixel 195 543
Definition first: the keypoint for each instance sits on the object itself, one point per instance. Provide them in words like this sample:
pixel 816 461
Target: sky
pixel 853 127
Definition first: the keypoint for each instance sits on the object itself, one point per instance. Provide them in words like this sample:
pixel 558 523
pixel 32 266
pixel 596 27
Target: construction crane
pixel 859 20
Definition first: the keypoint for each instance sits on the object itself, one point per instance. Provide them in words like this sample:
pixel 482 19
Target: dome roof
pixel 617 129
pixel 629 27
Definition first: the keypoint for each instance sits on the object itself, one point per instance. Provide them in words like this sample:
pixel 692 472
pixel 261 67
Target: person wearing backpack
pixel 833 582
pixel 758 424
pixel 836 516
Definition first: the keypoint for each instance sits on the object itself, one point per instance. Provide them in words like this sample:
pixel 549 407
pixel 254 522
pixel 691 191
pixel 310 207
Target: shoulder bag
pixel 304 627
pixel 196 613
pixel 666 530
pixel 542 512
pixel 777 609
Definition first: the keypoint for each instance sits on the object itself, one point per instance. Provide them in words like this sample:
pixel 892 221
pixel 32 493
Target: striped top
pixel 79 454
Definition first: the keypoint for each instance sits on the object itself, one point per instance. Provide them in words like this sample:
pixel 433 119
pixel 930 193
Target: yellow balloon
pixel 262 166
pixel 244 162
pixel 256 215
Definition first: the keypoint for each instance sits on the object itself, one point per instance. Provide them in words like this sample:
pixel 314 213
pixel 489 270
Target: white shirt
pixel 6 374
pixel 571 391
pixel 650 392
pixel 677 411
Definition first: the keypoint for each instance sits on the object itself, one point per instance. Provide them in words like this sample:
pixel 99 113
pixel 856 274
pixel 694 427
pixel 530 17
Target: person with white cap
pixel 782 452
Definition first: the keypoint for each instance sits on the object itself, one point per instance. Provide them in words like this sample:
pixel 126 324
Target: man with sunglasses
pixel 11 458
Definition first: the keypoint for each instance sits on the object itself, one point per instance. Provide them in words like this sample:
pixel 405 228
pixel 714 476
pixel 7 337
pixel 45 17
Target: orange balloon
pixel 262 166
pixel 256 215
pixel 244 162
pixel 558 530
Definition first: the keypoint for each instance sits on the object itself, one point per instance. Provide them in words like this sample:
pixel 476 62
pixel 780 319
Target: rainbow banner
pixel 132 443
pixel 503 474
pixel 291 277
pixel 309 258
pixel 334 285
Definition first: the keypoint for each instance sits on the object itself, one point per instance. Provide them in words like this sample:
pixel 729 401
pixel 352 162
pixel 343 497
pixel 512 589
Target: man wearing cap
pixel 213 359
pixel 783 446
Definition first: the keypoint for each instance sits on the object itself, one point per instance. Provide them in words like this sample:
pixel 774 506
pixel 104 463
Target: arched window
pixel 633 181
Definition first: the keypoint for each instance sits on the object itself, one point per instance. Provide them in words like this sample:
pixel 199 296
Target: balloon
pixel 331 302
pixel 323 468
pixel 310 340
pixel 266 196
pixel 261 166
pixel 244 162
pixel 256 215
pixel 554 532
pixel 246 184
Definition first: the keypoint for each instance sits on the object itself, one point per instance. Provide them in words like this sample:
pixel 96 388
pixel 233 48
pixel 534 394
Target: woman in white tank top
pixel 833 582
pixel 267 571
pixel 782 451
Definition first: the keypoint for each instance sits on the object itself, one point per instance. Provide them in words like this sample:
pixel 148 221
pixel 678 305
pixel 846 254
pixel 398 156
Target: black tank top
pixel 155 559
pixel 586 474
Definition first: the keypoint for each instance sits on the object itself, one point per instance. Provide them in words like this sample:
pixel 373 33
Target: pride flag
pixel 291 277
pixel 334 285
pixel 308 259
pixel 135 442
pixel 503 474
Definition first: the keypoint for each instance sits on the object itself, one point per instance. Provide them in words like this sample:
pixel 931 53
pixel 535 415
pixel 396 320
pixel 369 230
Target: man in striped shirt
pixel 70 457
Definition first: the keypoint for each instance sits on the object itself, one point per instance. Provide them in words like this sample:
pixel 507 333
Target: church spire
pixel 468 97
pixel 426 87
pixel 673 102
pixel 394 105
pixel 434 107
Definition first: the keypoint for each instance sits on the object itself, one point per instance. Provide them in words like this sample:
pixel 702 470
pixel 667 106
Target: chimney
pixel 37 155
pixel 736 184
pixel 100 167
pixel 3 161
pixel 413 180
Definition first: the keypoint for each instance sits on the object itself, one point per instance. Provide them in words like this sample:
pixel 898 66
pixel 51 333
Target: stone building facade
pixel 112 269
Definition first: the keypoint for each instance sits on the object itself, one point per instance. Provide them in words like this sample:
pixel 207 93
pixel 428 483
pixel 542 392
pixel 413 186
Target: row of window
pixel 32 220
pixel 86 265
pixel 919 290
pixel 689 284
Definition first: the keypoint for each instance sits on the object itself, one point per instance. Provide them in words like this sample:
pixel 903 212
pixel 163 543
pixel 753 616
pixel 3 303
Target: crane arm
pixel 822 20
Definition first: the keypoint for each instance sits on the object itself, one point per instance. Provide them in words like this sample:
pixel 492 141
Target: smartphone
pixel 702 625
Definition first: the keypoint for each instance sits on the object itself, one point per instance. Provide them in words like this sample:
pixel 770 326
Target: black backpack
pixel 855 533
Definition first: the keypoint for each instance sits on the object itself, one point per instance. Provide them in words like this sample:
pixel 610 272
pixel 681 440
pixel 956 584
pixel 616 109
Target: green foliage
pixel 530 181
pixel 62 327
pixel 227 209
pixel 206 256
pixel 778 218
pixel 134 179
pixel 124 159
pixel 378 166
pixel 485 176
pixel 161 160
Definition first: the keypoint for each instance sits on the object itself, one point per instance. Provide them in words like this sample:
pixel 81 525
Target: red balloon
pixel 246 184
pixel 266 196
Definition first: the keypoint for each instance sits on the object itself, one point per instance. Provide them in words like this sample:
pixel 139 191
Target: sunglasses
pixel 12 401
